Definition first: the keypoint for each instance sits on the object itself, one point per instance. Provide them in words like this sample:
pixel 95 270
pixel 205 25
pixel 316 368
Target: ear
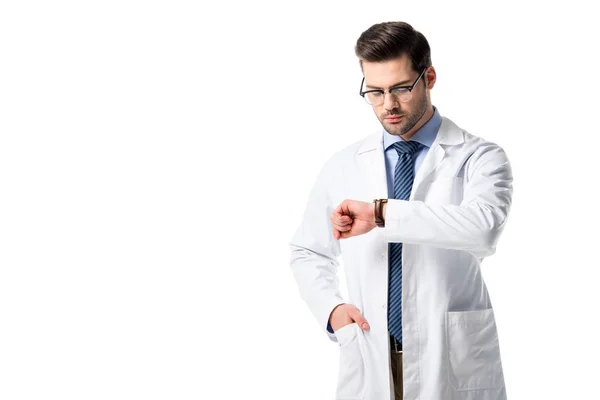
pixel 431 77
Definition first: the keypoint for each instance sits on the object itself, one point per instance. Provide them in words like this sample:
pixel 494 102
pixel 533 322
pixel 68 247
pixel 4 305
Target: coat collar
pixel 372 160
pixel 448 133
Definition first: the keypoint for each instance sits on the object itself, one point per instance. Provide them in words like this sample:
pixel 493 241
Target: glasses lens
pixel 374 97
pixel 402 95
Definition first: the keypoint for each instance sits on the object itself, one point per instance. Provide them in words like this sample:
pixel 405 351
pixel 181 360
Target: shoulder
pixel 479 153
pixel 470 143
pixel 348 153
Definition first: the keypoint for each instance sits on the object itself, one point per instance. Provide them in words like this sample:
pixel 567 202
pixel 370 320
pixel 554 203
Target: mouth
pixel 393 118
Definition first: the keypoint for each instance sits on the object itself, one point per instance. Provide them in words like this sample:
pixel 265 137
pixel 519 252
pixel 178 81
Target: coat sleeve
pixel 314 254
pixel 473 226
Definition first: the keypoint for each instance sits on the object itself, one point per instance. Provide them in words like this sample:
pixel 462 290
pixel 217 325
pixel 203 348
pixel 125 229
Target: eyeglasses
pixel 402 93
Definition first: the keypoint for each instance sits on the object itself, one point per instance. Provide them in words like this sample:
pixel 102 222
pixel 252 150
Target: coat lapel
pixel 371 159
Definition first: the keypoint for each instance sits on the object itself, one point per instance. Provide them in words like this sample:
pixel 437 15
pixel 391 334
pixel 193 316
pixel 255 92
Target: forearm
pixel 317 281
pixel 474 225
pixel 474 228
pixel 315 253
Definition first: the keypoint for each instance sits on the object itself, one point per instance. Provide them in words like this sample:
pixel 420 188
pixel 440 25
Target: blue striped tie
pixel 403 180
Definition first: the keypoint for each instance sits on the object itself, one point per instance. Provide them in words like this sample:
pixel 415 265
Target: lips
pixel 393 118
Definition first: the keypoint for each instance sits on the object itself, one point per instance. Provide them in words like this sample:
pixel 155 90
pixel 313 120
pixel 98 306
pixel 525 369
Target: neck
pixel 422 121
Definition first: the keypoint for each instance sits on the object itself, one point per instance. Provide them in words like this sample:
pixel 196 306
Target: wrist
pixel 333 311
pixel 379 206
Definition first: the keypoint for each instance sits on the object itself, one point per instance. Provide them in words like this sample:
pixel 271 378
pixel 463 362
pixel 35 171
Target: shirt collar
pixel 425 135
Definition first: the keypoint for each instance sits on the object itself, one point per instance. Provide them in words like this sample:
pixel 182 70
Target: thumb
pixel 360 320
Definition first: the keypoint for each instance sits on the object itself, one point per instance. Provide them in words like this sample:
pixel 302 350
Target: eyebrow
pixel 394 85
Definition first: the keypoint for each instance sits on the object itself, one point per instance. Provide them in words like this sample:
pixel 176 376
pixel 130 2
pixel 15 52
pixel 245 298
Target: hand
pixel 352 218
pixel 345 314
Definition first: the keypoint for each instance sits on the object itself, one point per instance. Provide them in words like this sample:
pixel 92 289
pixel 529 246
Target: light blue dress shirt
pixel 425 135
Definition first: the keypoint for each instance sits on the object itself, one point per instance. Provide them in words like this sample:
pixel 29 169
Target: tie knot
pixel 407 147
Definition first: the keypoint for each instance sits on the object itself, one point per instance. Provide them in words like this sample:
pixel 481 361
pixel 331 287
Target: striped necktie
pixel 403 181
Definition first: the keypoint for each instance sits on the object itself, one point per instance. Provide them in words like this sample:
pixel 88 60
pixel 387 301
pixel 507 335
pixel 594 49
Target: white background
pixel 156 157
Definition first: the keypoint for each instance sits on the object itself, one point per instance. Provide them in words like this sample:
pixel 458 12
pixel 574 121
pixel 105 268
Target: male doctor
pixel 412 210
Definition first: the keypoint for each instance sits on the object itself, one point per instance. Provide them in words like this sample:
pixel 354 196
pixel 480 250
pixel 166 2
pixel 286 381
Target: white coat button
pixel 383 305
pixel 382 255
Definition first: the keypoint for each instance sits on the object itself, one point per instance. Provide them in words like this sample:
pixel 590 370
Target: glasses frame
pixel 410 88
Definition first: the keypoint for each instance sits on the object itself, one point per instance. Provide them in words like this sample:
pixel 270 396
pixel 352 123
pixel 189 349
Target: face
pixel 398 72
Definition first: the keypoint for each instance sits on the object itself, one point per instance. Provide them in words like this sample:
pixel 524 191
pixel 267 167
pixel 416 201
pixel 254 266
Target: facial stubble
pixel 409 121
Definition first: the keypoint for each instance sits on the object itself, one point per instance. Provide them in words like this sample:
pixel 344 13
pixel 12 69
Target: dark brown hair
pixel 388 40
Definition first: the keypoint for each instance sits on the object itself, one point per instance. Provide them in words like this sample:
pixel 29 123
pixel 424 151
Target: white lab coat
pixel 457 210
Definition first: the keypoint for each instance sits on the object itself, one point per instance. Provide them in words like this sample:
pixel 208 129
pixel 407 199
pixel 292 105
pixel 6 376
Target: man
pixel 412 210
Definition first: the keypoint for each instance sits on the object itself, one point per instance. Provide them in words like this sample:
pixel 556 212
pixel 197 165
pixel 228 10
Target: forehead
pixel 386 73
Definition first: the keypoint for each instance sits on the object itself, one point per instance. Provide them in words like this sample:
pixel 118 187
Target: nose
pixel 390 101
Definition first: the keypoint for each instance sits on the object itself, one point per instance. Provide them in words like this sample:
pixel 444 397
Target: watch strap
pixel 378 208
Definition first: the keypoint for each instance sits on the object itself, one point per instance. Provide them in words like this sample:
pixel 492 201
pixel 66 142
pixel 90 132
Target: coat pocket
pixel 352 378
pixel 473 350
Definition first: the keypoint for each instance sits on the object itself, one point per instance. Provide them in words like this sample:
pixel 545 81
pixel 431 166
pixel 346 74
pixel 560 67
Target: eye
pixel 398 90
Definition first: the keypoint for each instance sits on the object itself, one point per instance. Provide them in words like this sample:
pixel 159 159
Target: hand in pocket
pixel 345 314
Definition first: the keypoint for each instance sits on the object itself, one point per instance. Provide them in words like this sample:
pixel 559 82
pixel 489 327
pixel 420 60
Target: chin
pixel 394 129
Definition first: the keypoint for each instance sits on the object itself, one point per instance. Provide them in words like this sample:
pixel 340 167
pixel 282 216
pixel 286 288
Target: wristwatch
pixel 378 205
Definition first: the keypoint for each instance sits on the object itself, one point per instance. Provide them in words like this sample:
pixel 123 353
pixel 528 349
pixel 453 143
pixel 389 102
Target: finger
pixel 360 320
pixel 345 220
pixel 342 208
pixel 343 228
pixel 338 210
pixel 340 221
pixel 337 234
pixel 342 235
pixel 340 216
